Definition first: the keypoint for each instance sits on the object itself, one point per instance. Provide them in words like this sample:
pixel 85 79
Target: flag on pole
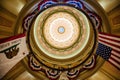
pixel 12 50
pixel 109 48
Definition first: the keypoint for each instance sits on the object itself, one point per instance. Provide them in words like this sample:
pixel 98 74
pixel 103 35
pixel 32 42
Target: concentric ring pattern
pixel 62 38
pixel 77 31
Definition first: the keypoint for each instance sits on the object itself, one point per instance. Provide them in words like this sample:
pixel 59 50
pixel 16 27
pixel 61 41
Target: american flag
pixel 109 48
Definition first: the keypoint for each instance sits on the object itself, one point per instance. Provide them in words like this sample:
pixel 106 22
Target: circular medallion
pixel 62 33
pixel 61 29
pixel 70 27
pixel 51 41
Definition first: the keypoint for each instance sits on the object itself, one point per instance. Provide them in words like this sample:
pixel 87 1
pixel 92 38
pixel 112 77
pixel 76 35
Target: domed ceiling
pixel 64 38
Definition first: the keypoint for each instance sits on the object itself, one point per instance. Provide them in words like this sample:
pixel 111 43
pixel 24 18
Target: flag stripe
pixel 11 38
pixel 114 63
pixel 110 42
pixel 115 58
pixel 112 46
pixel 109 39
pixel 116 51
pixel 110 36
pixel 115 54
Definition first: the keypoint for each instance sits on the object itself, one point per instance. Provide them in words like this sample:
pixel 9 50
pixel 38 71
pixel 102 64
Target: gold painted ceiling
pixel 62 36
